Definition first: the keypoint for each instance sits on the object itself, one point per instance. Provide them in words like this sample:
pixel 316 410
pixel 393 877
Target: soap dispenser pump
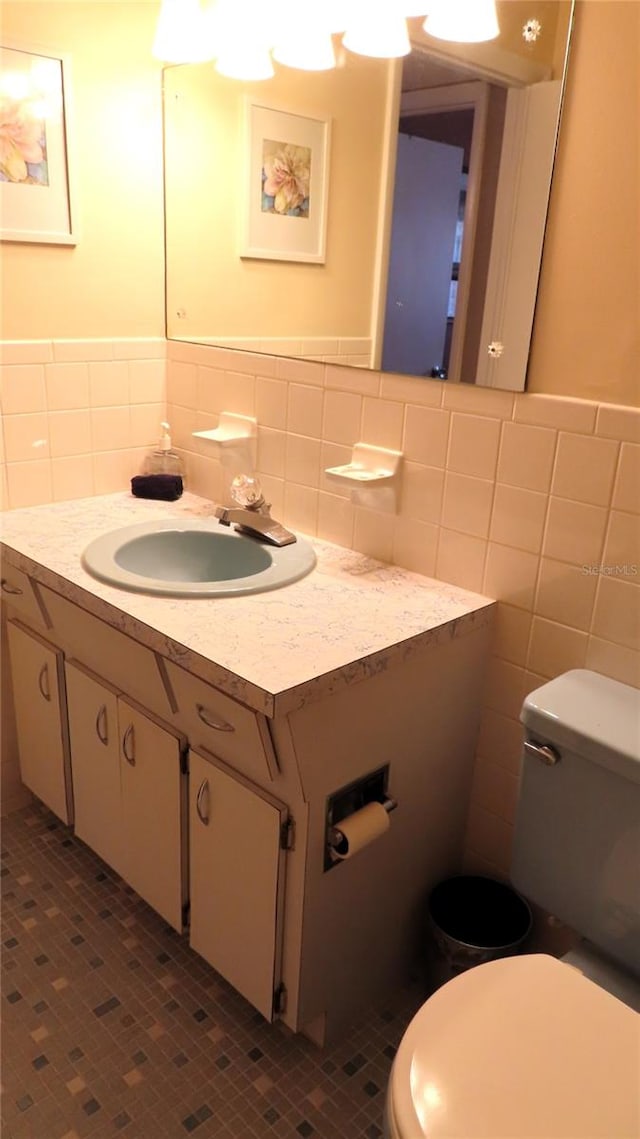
pixel 163 460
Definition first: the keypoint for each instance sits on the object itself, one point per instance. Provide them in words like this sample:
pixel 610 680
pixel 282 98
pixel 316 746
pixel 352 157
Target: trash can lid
pixel 506 1051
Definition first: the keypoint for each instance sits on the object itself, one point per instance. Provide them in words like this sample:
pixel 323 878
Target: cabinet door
pixel 153 804
pixel 236 879
pixel 95 765
pixel 38 690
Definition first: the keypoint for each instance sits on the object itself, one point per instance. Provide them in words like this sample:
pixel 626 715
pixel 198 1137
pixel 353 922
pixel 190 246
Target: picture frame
pixel 36 199
pixel 284 206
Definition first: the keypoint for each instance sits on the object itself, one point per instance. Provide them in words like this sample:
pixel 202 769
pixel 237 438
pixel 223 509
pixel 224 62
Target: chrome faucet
pixel 253 514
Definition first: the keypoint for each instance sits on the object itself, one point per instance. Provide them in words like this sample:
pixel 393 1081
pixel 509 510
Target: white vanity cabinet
pixel 215 744
pixel 238 836
pixel 129 790
pixel 38 692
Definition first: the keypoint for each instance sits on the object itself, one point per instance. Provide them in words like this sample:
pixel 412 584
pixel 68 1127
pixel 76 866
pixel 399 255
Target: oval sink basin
pixel 194 558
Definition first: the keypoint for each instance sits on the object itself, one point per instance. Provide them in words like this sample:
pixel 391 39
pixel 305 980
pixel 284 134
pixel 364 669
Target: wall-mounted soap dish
pixel 231 428
pixel 372 476
pixel 235 435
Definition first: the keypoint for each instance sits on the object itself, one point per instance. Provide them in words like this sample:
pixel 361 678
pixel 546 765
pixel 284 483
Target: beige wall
pixel 218 293
pixel 112 282
pixel 587 327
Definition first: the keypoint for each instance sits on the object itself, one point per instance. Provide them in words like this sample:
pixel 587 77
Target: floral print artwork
pixel 286 171
pixel 23 142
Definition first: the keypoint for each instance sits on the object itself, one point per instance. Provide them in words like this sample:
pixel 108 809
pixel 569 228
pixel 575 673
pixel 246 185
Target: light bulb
pixel 180 33
pixel 462 21
pixel 239 61
pixel 307 47
pixel 377 30
pixel 243 41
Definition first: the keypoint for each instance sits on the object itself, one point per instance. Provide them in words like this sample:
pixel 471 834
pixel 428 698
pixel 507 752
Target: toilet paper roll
pixel 358 830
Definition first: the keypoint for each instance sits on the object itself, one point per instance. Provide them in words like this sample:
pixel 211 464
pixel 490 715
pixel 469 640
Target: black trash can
pixel 472 920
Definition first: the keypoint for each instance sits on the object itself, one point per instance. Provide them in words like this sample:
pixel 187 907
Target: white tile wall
pixel 77 416
pixel 531 499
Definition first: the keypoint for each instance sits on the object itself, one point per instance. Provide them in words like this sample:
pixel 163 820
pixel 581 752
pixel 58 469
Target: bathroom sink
pixel 194 558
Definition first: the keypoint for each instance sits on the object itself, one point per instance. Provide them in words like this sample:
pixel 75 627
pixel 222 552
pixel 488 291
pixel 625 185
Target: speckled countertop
pixel 349 618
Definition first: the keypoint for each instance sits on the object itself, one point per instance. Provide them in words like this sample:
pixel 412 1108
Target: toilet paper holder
pixel 336 837
pixel 348 802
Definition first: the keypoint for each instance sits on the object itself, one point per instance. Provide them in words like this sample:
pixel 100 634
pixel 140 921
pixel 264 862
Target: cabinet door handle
pixel 102 730
pixel 7 587
pixel 212 721
pixel 129 745
pixel 202 791
pixel 43 682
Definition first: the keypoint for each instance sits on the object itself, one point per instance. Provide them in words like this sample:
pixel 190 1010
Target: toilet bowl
pixel 520 1048
pixel 531 1047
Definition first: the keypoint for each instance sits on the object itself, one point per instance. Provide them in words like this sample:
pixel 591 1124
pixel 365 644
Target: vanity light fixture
pixel 244 61
pixel 463 21
pixel 378 30
pixel 180 32
pixel 239 33
pixel 305 44
pixel 245 36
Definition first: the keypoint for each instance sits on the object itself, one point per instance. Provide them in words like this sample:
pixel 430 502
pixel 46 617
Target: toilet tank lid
pixel 592 715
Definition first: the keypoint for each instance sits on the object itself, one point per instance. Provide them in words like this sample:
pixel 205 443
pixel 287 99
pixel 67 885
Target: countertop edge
pixel 378 661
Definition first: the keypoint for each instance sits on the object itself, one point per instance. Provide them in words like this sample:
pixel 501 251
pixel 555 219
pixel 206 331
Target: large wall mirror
pixel 412 240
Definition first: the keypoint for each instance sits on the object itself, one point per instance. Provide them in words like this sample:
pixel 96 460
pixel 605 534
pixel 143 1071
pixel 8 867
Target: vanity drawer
pixel 18 591
pixel 215 721
pixel 111 654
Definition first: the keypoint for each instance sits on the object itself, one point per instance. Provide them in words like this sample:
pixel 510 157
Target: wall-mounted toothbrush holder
pixel 234 440
pixel 373 476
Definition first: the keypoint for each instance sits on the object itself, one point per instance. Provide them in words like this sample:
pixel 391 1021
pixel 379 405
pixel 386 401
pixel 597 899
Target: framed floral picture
pixel 287 184
pixel 36 202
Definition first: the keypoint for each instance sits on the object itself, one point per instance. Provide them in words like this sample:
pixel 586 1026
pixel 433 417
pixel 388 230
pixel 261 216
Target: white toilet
pixel 529 1047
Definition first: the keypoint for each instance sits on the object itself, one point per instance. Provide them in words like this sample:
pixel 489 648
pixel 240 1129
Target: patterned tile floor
pixel 112 1026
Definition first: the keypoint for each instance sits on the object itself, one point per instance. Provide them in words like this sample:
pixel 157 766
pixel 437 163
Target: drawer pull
pixel 7 587
pixel 101 725
pixel 212 721
pixel 129 746
pixel 202 791
pixel 43 682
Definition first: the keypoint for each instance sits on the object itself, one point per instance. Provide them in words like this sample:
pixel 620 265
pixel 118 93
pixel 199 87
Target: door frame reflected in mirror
pixel 419 111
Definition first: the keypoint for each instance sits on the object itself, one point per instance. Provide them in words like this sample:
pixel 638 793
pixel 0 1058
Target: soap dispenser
pixel 163 460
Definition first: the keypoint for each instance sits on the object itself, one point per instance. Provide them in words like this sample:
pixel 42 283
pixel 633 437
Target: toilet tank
pixel 577 830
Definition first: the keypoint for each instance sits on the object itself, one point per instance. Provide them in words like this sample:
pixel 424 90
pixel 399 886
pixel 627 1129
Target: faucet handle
pixel 246 491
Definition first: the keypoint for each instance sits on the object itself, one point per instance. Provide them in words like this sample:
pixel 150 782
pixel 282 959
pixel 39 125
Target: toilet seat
pixel 520 1048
